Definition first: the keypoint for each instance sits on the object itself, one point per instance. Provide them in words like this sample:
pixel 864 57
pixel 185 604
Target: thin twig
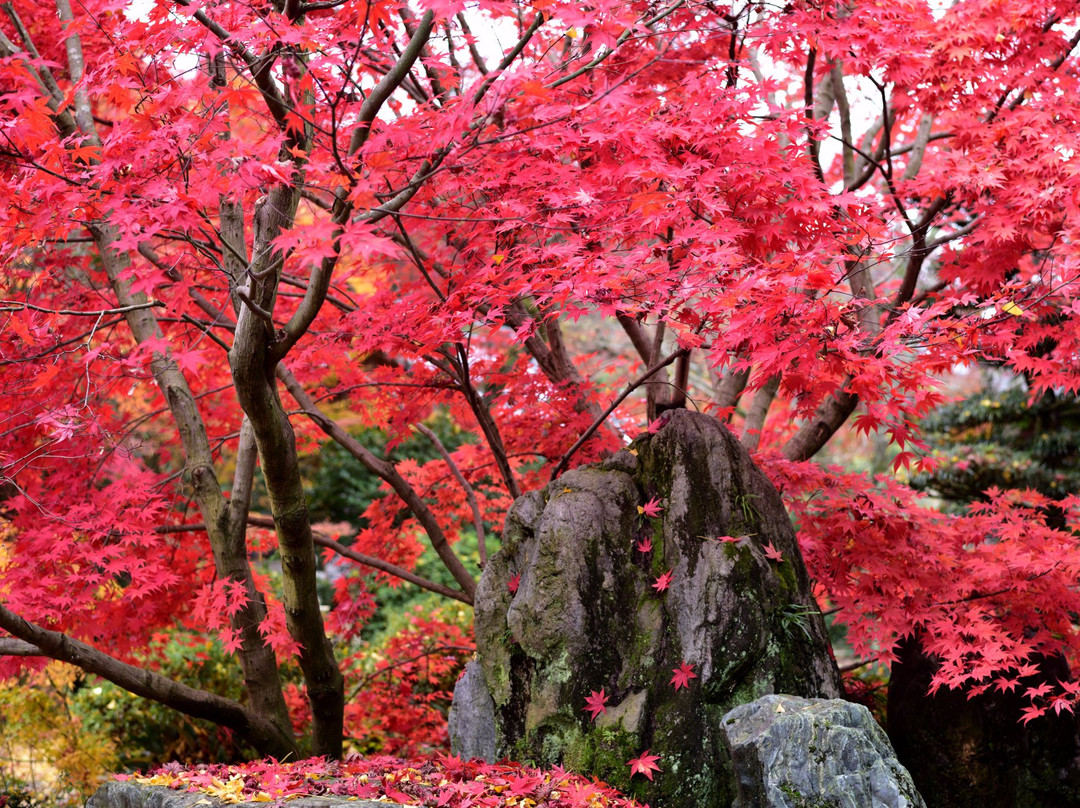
pixel 321 540
pixel 391 569
pixel 387 668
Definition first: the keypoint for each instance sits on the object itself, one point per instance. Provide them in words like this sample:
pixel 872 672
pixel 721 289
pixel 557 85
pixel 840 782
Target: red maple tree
pixel 231 225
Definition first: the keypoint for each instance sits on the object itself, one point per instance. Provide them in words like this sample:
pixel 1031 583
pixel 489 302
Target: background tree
pixel 238 229
pixel 1004 439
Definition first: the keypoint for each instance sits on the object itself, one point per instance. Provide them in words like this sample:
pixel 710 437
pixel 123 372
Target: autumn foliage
pixel 441 780
pixel 235 231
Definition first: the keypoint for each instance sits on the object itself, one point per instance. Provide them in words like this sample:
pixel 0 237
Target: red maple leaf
pixel 513 584
pixel 683 674
pixel 645 545
pixel 772 553
pixel 644 764
pixel 663 582
pixel 596 703
pixel 650 508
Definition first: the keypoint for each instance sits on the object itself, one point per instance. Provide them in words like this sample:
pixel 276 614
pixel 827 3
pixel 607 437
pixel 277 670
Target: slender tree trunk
pixel 253 369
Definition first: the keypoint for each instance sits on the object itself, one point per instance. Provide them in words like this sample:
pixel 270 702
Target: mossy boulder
pixel 584 615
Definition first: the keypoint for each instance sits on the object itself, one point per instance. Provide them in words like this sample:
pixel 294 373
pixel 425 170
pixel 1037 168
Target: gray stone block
pixel 791 752
pixel 472 716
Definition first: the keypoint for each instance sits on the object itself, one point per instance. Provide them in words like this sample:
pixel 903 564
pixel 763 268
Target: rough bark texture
pixel 973 753
pixel 790 752
pixel 585 615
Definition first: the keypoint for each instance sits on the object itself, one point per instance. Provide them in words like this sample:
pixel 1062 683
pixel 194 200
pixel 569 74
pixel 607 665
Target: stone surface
pixel 585 615
pixel 790 752
pixel 127 794
pixel 472 731
pixel 973 753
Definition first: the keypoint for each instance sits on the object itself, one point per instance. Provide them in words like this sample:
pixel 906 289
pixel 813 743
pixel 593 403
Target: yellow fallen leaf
pixel 1012 308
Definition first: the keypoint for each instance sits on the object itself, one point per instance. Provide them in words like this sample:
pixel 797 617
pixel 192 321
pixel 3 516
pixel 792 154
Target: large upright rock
pixel 585 615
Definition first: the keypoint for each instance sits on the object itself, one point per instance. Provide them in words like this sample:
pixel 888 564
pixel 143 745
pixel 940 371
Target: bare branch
pixel 636 331
pixel 865 163
pixel 918 147
pixel 321 6
pixel 319 284
pixel 234 254
pixel 471 42
pixel 76 66
pixel 382 91
pixel 386 471
pixel 625 35
pixel 19 648
pixel 259 67
pixel 830 416
pixel 510 56
pixel 810 110
pixel 322 540
pixel 438 91
pixel 42 75
pixel 840 94
pixel 260 731
pixel 470 494
pixel 438 649
pixel 730 388
pixel 15 305
pixel 918 253
pixel 656 388
pixel 390 569
pixel 247 455
pixel 960 232
pixel 479 406
pixel 256 309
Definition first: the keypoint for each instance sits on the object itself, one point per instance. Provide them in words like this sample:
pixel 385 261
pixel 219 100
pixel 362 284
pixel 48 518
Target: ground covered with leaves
pixel 442 781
